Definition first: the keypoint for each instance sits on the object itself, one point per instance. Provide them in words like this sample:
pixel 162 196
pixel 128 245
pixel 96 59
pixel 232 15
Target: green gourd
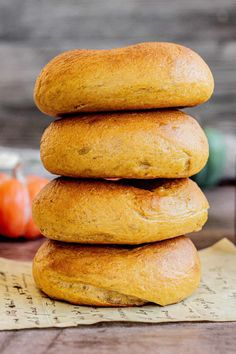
pixel 213 171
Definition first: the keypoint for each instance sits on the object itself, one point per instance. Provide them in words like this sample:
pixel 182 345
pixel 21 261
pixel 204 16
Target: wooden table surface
pixel 131 337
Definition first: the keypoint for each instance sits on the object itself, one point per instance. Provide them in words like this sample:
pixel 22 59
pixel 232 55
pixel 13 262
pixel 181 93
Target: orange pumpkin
pixel 16 195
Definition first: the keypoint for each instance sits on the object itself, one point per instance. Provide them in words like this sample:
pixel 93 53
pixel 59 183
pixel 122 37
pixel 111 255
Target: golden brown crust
pixel 149 144
pixel 164 273
pixel 141 76
pixel 106 212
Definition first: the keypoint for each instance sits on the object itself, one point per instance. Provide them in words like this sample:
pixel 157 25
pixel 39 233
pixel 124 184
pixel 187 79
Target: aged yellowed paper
pixel 23 306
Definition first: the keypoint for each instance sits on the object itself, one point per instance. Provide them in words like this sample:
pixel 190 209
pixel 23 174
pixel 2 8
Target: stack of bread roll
pixel 115 221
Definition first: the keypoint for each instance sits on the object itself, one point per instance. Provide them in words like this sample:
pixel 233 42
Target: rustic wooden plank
pixel 5 339
pixel 32 32
pixel 20 250
pixel 146 339
pixel 28 341
pixel 128 338
pixel 118 19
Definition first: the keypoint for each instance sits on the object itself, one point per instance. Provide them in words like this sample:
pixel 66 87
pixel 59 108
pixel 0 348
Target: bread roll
pixel 106 212
pixel 141 76
pixel 164 273
pixel 151 144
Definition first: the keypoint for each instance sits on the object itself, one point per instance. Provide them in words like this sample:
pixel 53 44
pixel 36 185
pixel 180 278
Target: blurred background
pixel 34 31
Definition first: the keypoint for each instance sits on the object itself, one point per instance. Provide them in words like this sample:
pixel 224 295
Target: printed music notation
pixel 22 305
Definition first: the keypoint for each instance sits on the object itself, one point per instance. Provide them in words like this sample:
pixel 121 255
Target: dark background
pixel 32 32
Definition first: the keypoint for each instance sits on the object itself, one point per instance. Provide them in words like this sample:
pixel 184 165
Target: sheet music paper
pixel 24 306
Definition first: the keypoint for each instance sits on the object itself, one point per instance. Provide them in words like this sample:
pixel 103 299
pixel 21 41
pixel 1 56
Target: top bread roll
pixel 141 76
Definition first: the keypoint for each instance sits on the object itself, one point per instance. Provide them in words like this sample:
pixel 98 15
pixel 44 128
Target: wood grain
pixel 32 32
pixel 192 338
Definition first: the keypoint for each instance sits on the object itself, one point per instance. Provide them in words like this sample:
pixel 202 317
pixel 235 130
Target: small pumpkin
pixel 16 195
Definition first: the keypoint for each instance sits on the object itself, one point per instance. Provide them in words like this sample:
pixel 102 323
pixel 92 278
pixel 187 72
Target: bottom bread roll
pixel 165 272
